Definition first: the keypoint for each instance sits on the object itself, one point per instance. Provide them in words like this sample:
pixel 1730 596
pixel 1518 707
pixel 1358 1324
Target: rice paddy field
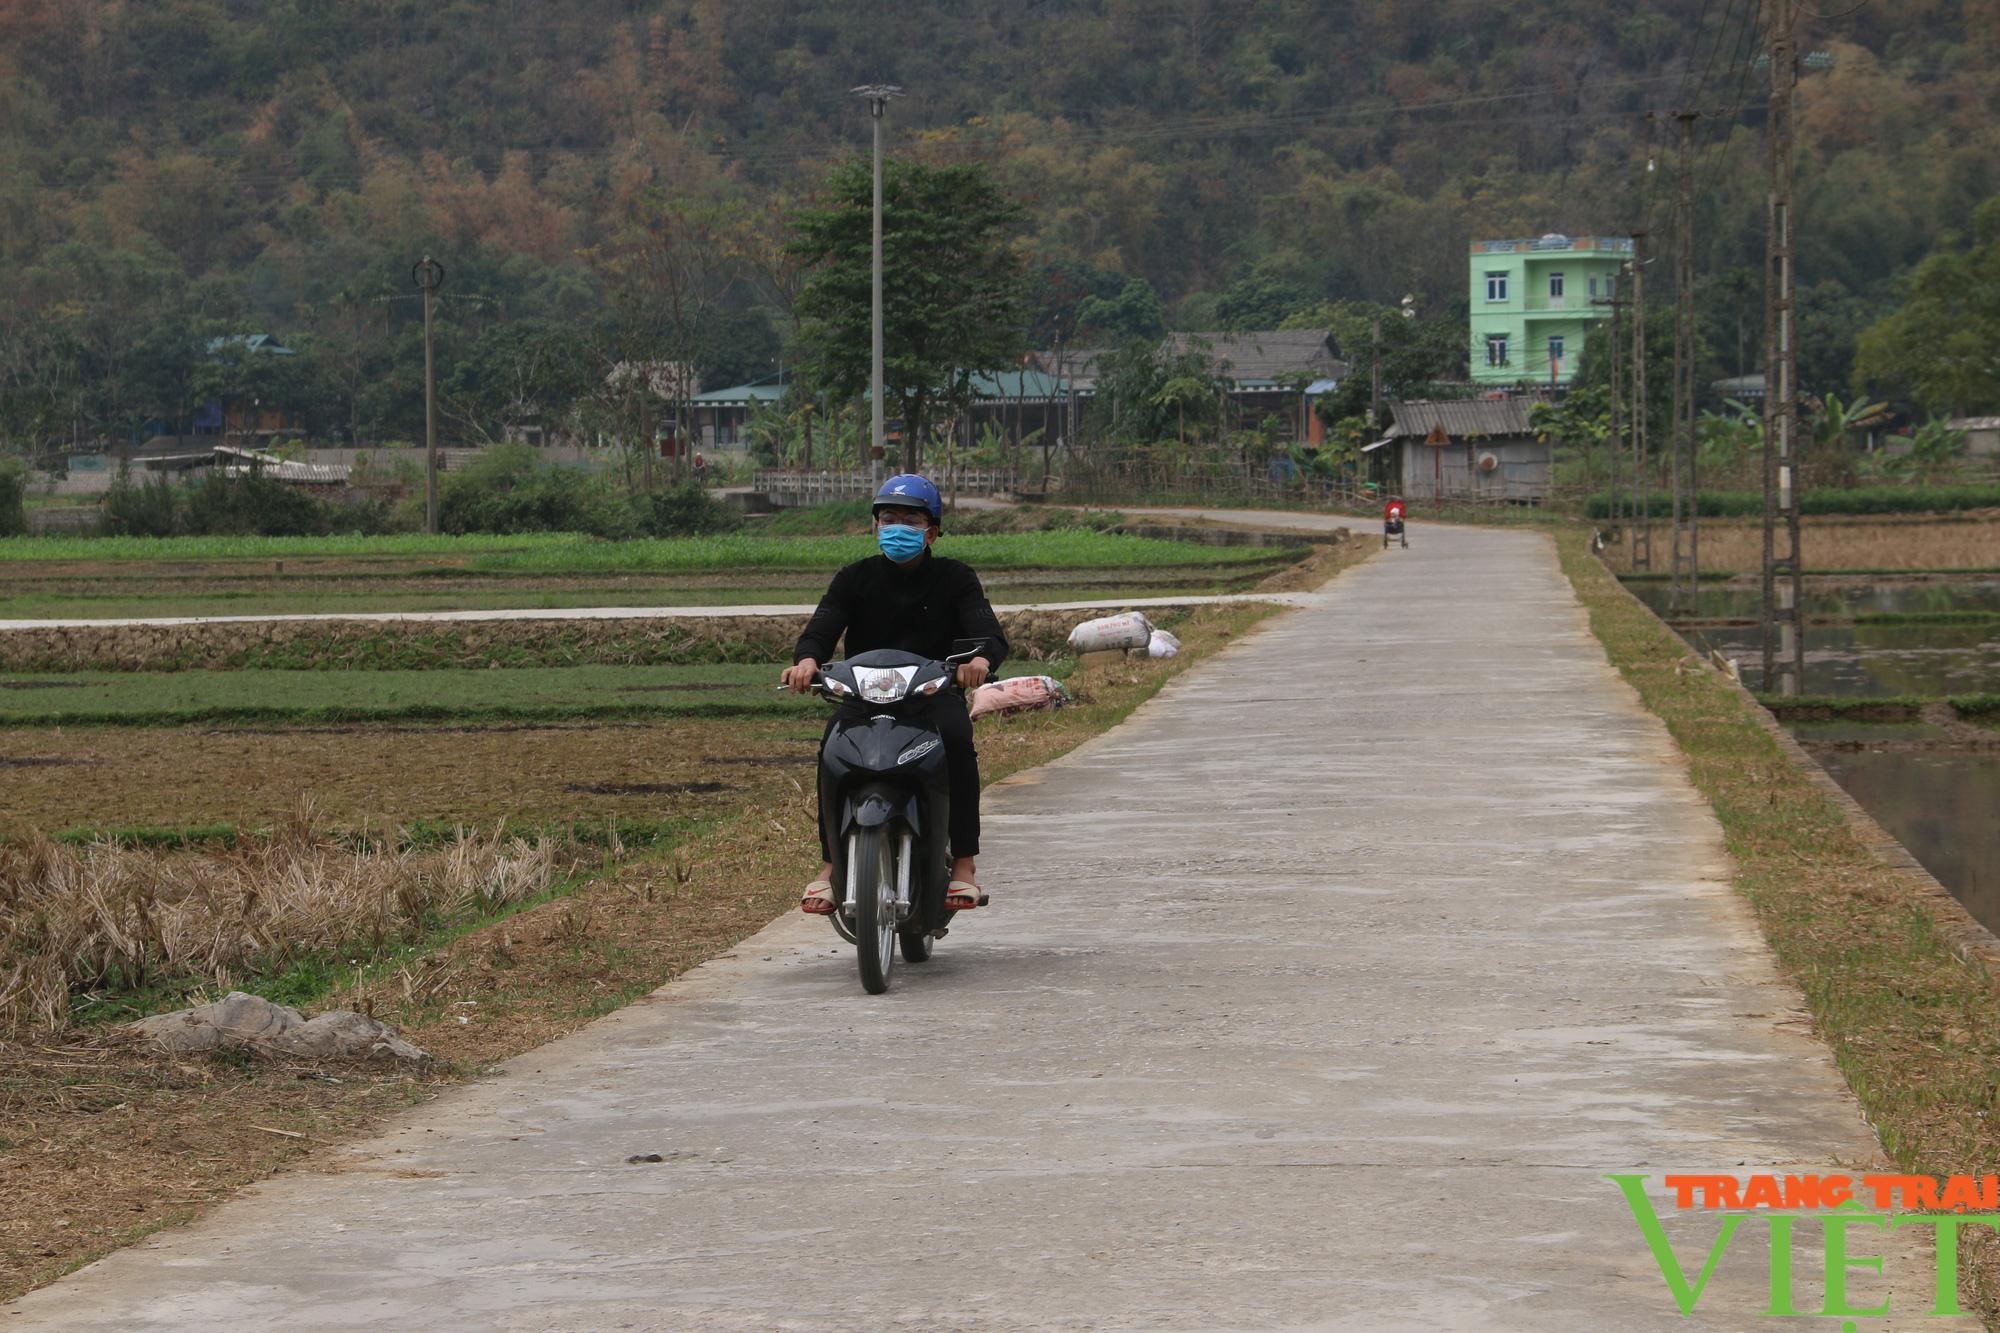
pixel 117 578
pixel 1831 545
pixel 591 725
pixel 1902 672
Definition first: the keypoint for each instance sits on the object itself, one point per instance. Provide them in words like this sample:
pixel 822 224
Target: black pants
pixel 954 727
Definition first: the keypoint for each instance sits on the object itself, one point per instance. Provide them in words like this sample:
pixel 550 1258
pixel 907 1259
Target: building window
pixel 1496 286
pixel 1593 289
pixel 1555 350
pixel 1555 287
pixel 1496 349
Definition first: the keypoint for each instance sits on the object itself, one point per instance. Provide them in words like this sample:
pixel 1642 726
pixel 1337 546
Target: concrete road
pixel 1319 994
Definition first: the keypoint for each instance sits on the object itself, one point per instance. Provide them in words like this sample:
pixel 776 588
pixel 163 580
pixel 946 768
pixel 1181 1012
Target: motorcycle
pixel 886 803
pixel 1393 527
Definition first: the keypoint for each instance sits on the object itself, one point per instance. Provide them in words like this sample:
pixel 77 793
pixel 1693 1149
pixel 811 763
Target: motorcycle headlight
pixel 884 685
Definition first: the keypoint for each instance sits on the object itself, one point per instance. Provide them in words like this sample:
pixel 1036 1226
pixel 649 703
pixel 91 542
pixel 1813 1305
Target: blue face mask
pixel 900 543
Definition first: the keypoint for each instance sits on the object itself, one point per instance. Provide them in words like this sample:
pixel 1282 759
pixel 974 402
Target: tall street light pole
pixel 429 275
pixel 878 95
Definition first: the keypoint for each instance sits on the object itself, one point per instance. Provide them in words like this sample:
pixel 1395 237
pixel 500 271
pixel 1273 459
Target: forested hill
pixel 250 161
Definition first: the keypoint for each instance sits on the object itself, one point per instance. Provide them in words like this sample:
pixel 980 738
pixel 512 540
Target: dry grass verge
pixel 1912 1017
pixel 79 921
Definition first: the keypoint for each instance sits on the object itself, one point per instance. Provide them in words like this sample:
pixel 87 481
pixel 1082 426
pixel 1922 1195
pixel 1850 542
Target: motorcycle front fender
pixel 877 806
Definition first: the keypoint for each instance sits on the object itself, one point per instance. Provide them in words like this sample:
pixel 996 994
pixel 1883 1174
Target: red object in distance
pixel 1393 511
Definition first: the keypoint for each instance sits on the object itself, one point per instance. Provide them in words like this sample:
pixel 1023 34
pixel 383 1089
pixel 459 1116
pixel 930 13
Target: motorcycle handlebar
pixel 818 684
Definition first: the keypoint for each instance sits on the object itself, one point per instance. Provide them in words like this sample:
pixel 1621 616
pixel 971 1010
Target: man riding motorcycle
pixel 910 600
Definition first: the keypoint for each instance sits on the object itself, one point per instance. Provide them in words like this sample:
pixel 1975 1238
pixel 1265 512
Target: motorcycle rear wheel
pixel 917 945
pixel 871 881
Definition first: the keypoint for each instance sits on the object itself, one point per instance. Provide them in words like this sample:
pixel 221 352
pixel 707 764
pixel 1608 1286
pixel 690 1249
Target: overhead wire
pixel 1724 144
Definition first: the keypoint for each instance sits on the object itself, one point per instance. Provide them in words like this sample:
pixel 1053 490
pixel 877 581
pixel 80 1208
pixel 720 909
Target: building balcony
pixel 1566 307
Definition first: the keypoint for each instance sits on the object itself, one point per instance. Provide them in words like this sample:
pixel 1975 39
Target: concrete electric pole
pixel 878 95
pixel 1783 601
pixel 1617 301
pixel 1642 500
pixel 429 275
pixel 1687 532
pixel 1375 375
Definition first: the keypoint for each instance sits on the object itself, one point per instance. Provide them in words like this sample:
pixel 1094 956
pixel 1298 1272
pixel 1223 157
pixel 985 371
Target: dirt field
pixel 374 775
pixel 1958 541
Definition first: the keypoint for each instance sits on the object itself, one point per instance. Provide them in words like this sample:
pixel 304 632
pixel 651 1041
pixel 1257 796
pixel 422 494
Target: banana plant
pixel 1833 421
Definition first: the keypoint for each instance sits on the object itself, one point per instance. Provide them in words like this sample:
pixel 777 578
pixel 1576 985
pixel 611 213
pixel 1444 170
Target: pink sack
pixel 1012 696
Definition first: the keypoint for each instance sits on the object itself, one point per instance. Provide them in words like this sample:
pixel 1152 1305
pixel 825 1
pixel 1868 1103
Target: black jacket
pixel 880 604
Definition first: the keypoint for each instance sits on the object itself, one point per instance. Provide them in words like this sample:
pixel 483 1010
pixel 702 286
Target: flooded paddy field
pixel 1925 771
pixel 1874 661
pixel 1844 596
pixel 1939 803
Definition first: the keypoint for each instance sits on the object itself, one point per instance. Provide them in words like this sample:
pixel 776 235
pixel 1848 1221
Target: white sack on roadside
pixel 1163 644
pixel 1130 632
pixel 1018 694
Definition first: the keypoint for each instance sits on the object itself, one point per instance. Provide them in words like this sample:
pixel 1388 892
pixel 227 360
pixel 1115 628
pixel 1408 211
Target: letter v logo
pixel 1685 1296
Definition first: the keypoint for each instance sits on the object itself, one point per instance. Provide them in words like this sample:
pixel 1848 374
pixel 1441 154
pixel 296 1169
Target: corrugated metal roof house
pixel 1467 449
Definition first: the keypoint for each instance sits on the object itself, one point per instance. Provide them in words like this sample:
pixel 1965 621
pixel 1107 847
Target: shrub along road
pixel 1323 991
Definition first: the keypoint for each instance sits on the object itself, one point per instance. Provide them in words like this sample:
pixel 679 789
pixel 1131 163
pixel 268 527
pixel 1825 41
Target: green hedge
pixel 1861 500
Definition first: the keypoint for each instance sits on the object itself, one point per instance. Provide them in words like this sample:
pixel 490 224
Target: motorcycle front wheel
pixel 871 887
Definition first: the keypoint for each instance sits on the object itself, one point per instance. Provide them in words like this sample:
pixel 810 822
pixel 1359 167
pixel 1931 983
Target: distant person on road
pixel 1392 522
pixel 915 602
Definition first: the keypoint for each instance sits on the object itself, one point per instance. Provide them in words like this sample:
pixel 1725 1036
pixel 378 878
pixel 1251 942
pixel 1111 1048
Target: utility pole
pixel 1375 374
pixel 1687 560
pixel 1642 531
pixel 1617 302
pixel 429 275
pixel 878 95
pixel 1783 600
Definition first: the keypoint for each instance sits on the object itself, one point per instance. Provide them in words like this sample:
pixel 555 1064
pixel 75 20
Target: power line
pixel 1700 26
pixel 1725 140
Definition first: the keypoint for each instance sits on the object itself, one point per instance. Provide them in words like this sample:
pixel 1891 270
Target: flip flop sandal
pixel 819 899
pixel 963 895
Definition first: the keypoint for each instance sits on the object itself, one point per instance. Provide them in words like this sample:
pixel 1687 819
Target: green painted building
pixel 1532 302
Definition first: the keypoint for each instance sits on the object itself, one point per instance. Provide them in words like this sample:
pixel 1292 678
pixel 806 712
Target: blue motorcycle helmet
pixel 907 490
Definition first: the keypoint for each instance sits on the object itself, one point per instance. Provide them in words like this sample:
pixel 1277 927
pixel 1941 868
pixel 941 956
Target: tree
pixel 952 287
pixel 1939 348
pixel 1135 312
pixel 1145 392
pixel 669 266
pixel 1934 449
pixel 1261 300
pixel 527 370
pixel 1416 352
